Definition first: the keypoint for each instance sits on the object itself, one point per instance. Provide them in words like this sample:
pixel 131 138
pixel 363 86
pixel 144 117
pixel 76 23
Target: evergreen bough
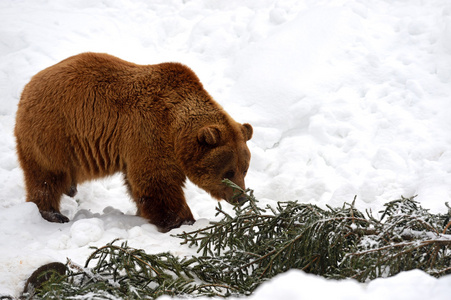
pixel 240 252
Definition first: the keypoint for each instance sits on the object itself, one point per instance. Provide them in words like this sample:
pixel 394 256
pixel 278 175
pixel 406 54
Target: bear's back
pixel 93 106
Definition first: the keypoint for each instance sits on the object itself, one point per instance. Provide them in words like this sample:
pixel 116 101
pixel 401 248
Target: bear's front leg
pixel 166 214
pixel 159 196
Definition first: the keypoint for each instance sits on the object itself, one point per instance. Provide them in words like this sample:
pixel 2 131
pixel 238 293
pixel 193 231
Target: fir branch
pixel 238 253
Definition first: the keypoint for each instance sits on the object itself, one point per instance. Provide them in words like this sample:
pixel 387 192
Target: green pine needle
pixel 238 253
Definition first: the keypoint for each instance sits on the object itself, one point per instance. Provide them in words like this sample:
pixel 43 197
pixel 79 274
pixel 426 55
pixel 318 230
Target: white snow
pixel 346 97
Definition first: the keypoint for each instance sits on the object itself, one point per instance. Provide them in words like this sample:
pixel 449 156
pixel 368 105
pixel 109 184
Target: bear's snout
pixel 241 199
pixel 236 197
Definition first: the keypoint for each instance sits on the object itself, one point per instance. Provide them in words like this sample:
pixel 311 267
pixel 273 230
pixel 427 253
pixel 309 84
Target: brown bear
pixel 93 115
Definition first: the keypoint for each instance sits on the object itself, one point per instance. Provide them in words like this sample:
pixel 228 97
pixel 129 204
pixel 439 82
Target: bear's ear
pixel 210 135
pixel 247 131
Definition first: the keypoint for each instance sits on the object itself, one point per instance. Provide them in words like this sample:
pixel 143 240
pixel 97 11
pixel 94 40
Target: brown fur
pixel 93 115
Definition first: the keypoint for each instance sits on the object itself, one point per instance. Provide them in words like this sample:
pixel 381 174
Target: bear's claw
pixel 168 227
pixel 54 216
pixel 188 222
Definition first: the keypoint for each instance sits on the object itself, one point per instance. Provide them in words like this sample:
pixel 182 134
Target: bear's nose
pixel 241 199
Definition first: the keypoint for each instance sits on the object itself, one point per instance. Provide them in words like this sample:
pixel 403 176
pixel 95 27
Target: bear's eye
pixel 229 174
pixel 244 173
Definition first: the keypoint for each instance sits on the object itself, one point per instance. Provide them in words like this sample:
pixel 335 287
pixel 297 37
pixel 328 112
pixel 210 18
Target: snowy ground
pixel 347 98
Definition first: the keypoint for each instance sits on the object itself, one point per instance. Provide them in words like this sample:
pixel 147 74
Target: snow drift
pixel 346 98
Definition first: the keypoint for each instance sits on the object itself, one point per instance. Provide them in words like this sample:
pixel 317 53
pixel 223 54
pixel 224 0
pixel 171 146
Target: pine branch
pixel 238 253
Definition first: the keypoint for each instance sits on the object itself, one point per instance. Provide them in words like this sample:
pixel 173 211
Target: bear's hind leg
pixel 45 188
pixel 46 192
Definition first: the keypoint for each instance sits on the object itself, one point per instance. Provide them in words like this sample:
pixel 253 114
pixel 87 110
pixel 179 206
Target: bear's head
pixel 219 152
